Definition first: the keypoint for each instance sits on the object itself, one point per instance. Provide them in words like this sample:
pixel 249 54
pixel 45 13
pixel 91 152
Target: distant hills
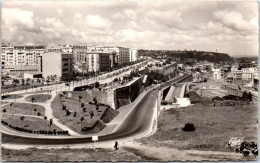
pixel 184 55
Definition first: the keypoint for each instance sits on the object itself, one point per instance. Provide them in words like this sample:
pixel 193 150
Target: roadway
pixel 136 123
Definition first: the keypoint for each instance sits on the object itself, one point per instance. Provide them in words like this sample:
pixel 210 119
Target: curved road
pixel 137 122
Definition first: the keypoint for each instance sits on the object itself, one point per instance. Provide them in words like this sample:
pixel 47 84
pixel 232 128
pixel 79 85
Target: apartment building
pixel 133 53
pixel 99 62
pixel 122 54
pixel 7 55
pixel 57 63
pixel 248 77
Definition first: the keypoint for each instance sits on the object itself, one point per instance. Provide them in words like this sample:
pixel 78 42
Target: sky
pixel 228 27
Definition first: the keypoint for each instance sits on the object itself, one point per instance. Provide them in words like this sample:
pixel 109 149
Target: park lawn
pixel 74 122
pixel 30 123
pixel 215 126
pixel 4 102
pixel 88 95
pixel 10 97
pixel 39 98
pixel 23 108
pixel 67 154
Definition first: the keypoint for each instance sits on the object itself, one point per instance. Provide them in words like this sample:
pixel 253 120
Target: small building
pixel 20 70
pixel 229 78
pixel 216 73
pixel 32 75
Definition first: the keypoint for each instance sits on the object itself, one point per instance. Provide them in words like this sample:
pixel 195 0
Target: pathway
pixel 48 111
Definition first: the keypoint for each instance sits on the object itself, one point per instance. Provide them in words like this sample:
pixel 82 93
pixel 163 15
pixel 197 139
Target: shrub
pixel 217 98
pixel 189 127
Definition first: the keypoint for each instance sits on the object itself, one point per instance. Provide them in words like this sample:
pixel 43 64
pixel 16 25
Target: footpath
pixel 48 111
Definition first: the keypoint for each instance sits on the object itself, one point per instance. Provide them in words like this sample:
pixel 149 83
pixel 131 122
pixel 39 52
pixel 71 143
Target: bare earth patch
pixel 214 126
pixel 68 155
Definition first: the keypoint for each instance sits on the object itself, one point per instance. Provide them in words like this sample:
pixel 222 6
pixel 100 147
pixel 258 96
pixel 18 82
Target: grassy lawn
pixel 39 98
pixel 215 126
pixel 8 97
pixel 74 106
pixel 4 102
pixel 23 108
pixel 88 95
pixel 67 154
pixel 30 123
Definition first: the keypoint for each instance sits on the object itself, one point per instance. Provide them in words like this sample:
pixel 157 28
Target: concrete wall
pixel 127 94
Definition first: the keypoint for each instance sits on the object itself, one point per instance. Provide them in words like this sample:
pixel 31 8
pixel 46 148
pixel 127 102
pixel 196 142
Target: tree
pixel 27 81
pixel 75 114
pixel 34 110
pixel 32 99
pixel 95 100
pixel 91 114
pixel 22 118
pixel 64 107
pixel 81 119
pixel 39 114
pixel 45 118
pixel 82 105
pixel 51 120
pixel 97 85
pixel 249 97
pixel 68 112
pixel 80 97
pixel 23 81
pixel 48 79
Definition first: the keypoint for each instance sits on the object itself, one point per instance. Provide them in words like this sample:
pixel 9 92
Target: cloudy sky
pixel 229 27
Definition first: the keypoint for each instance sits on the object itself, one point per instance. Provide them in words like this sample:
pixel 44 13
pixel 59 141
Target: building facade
pixel 7 56
pixel 57 63
pixel 216 73
pixel 99 62
pixel 121 54
pixel 133 53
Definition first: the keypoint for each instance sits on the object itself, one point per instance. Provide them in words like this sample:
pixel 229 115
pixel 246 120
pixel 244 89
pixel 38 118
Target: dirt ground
pixel 214 126
pixel 67 154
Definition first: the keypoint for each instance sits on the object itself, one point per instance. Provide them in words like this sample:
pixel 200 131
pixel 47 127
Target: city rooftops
pixel 33 73
pixel 29 47
pixel 21 67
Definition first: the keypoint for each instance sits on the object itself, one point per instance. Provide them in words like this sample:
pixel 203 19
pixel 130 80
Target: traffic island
pixel 80 114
